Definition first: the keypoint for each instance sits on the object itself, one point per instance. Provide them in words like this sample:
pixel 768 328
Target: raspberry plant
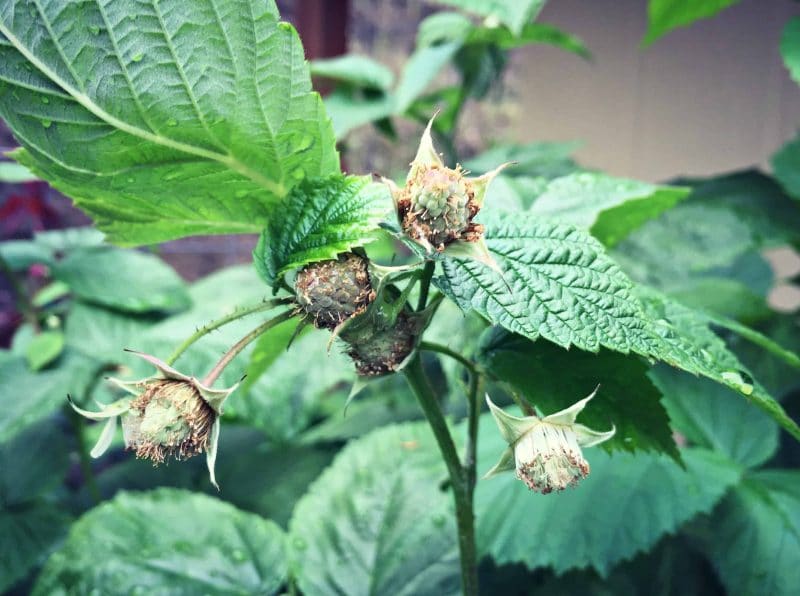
pixel 515 273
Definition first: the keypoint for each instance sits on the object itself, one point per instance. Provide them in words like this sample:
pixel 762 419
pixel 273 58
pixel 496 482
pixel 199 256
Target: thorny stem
pixel 425 284
pixel 459 477
pixel 239 313
pixel 243 343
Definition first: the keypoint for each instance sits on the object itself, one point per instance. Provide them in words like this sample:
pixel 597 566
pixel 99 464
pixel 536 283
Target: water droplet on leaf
pixel 47 123
pixel 240 194
pixel 45 100
pixel 137 57
pixel 172 122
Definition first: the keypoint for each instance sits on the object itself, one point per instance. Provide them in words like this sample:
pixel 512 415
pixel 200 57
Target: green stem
pixel 243 343
pixel 425 284
pixel 465 519
pixel 429 346
pixel 239 313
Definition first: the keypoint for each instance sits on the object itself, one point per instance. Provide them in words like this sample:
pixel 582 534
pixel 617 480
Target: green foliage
pixel 709 416
pixel 622 507
pixel 321 219
pixel 666 15
pixel 30 526
pixel 354 70
pixel 514 13
pixel 790 47
pixel 195 129
pixel 13 173
pixel 553 379
pixel 786 163
pixel 167 541
pixel 610 207
pixel 377 521
pixel 43 348
pixel 112 278
pixel 754 542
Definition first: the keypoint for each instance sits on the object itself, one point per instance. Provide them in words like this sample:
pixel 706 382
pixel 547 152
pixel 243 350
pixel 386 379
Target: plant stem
pixel 425 284
pixel 465 519
pixel 429 346
pixel 243 343
pixel 239 313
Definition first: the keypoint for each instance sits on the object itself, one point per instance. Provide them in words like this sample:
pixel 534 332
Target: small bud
pixel 171 415
pixel 330 292
pixel 546 452
pixel 383 350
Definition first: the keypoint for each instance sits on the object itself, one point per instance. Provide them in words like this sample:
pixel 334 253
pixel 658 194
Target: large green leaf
pixel 790 47
pixel 377 522
pixel 348 112
pixel 610 207
pixel 666 15
pixel 420 70
pixel 625 505
pixel 103 334
pixel 709 416
pixel 321 219
pixel 163 119
pixel 546 160
pixel 553 379
pixel 13 173
pixel 754 536
pixel 514 13
pixel 170 542
pixel 557 283
pixel 113 277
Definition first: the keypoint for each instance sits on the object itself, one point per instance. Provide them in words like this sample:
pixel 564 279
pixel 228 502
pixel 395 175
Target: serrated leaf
pixel 557 283
pixel 43 348
pixel 553 379
pixel 709 416
pixel 112 277
pixel 545 160
pixel 376 522
pixel 203 119
pixel 514 13
pixel 354 70
pixel 786 165
pixel 624 507
pixel 420 70
pixel 790 47
pixel 103 334
pixel 755 541
pixel 666 15
pixel 321 219
pixel 610 207
pixel 167 541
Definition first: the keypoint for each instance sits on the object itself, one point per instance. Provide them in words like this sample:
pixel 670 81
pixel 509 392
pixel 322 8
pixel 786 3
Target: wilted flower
pixel 437 205
pixel 171 415
pixel 546 452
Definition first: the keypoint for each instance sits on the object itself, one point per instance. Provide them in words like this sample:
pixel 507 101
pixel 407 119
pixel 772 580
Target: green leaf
pixel 532 33
pixel 203 120
pixel 709 416
pixel 167 541
pixel 610 207
pixel 321 219
pixel 376 522
pixel 348 112
pixel 755 541
pixel 514 13
pixel 43 348
pixel 553 379
pixel 790 47
pixel 420 70
pixel 354 70
pixel 666 15
pixel 103 334
pixel 557 283
pixel 786 165
pixel 29 397
pixel 47 247
pixel 113 277
pixel 13 173
pixel 547 160
pixel 624 507
pixel 268 348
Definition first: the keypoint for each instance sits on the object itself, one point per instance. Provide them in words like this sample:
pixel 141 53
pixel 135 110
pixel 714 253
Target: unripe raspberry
pixel 330 292
pixel 169 419
pixel 380 351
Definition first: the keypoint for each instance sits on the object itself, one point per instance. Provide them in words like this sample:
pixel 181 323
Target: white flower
pixel 546 452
